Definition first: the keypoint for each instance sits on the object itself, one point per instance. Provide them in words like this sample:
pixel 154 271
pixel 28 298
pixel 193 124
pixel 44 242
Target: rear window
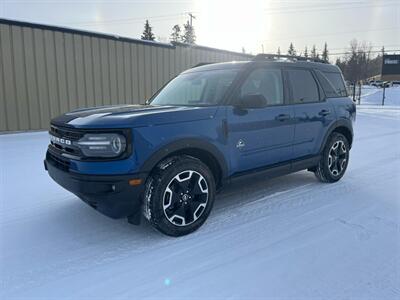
pixel 332 83
pixel 304 87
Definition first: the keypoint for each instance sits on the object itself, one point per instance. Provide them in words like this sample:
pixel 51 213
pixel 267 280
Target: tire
pixel 334 159
pixel 179 195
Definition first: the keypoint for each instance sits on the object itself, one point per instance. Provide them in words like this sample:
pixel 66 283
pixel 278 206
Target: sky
pixel 255 25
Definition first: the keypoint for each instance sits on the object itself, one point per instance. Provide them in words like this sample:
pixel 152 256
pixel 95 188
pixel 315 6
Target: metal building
pixel 48 70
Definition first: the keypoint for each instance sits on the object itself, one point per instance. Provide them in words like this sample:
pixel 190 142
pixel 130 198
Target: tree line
pixel 360 63
pixel 313 53
pixel 357 64
pixel 187 35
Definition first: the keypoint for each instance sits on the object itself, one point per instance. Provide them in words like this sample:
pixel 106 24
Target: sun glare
pixel 232 25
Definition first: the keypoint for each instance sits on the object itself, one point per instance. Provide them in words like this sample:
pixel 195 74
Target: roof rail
pixel 203 64
pixel 264 56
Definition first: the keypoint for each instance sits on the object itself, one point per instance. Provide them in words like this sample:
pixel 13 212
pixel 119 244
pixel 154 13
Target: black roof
pixel 325 67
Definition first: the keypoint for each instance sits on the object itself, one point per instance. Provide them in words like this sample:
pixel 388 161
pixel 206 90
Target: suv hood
pixel 120 116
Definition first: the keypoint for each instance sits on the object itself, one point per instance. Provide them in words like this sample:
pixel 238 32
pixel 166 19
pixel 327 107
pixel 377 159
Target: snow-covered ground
pixel 371 95
pixel 290 237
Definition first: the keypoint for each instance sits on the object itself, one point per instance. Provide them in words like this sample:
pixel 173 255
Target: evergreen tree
pixel 314 53
pixel 383 50
pixel 291 50
pixel 148 32
pixel 243 50
pixel 325 56
pixel 176 33
pixel 279 51
pixel 189 36
pixel 306 52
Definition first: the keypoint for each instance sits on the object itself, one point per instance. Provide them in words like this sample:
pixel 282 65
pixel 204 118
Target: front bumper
pixel 112 195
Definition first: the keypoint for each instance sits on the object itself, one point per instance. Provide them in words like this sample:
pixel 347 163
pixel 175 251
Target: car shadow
pixel 76 219
pixel 252 189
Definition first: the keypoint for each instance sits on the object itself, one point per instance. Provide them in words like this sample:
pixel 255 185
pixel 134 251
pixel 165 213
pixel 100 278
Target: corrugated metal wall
pixel 46 71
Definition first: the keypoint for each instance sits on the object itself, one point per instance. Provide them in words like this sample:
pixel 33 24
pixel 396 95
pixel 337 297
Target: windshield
pixel 196 89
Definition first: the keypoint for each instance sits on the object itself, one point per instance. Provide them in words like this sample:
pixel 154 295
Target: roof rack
pixel 264 56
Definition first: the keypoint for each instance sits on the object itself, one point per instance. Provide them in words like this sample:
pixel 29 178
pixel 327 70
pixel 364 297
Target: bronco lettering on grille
pixel 60 140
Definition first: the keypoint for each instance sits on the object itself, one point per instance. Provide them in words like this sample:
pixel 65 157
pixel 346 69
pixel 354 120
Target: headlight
pixel 102 144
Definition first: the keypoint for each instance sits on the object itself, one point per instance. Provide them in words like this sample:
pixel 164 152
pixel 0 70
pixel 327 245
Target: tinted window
pixel 266 82
pixel 304 87
pixel 326 85
pixel 336 81
pixel 196 89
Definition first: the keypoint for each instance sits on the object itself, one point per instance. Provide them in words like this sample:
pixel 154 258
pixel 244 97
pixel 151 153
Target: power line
pixel 346 48
pixel 331 7
pixel 273 10
pixel 332 34
pixel 369 46
pixel 374 51
pixel 128 20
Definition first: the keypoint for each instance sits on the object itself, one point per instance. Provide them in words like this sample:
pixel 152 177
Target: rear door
pixel 262 136
pixel 312 113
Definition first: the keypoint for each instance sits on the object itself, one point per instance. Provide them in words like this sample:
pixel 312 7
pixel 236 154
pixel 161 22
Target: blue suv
pixel 210 125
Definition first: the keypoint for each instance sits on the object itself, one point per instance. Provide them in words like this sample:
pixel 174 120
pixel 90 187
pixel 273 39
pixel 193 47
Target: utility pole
pixel 191 16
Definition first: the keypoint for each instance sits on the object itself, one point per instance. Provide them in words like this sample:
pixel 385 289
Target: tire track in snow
pixel 220 223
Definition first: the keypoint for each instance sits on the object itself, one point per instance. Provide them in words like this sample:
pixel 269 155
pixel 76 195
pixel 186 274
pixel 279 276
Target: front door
pixel 263 136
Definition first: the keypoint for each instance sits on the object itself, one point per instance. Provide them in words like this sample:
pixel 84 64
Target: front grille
pixel 63 143
pixel 66 133
pixel 60 147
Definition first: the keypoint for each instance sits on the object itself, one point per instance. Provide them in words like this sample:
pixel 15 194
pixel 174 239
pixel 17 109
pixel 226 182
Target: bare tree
pixel 358 64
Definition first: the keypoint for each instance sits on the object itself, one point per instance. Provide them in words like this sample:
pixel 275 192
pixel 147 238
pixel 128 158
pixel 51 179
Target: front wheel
pixel 334 159
pixel 179 195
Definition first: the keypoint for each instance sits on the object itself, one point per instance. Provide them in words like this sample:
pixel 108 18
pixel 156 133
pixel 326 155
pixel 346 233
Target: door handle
pixel 282 117
pixel 324 112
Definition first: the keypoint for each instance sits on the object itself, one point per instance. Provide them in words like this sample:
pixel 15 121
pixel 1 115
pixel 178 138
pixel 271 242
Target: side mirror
pixel 252 101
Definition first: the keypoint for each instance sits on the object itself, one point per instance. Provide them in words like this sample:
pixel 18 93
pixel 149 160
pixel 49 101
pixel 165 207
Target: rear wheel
pixel 334 159
pixel 179 195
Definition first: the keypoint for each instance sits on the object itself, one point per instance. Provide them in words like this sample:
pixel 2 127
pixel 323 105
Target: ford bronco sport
pixel 206 127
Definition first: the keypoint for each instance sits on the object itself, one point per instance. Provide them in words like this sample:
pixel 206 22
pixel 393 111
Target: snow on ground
pixel 371 95
pixel 290 237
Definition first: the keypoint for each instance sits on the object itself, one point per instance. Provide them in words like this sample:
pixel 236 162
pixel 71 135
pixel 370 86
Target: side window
pixel 266 82
pixel 336 81
pixel 304 87
pixel 326 85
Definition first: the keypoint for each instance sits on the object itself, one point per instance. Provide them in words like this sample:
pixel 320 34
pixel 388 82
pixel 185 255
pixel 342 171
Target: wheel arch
pixel 202 150
pixel 341 126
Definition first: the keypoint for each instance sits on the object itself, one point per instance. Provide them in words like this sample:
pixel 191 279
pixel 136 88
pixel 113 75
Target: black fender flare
pixel 338 123
pixel 181 145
